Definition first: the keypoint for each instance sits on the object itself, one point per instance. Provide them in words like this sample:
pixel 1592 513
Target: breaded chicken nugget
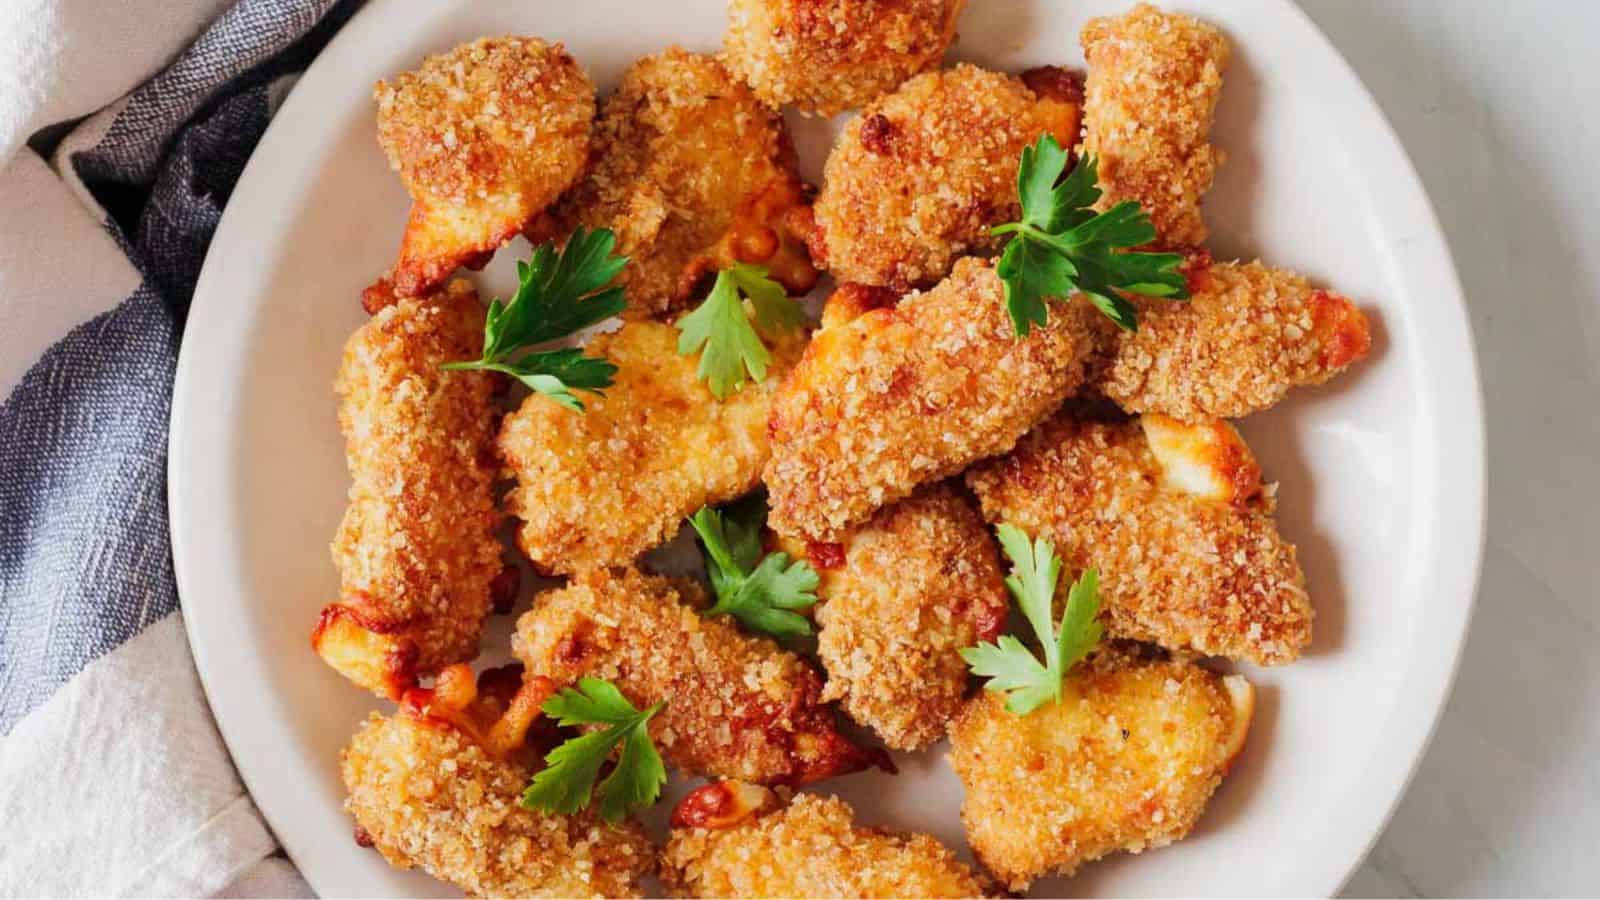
pixel 1175 519
pixel 416 551
pixel 738 840
pixel 1125 761
pixel 737 706
pixel 1246 336
pixel 827 56
pixel 693 174
pixel 599 487
pixel 918 179
pixel 901 595
pixel 1149 103
pixel 427 793
pixel 484 137
pixel 905 396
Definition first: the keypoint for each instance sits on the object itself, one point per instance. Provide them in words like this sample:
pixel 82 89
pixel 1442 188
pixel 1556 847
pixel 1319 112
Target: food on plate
pixel 902 594
pixel 827 56
pixel 1246 335
pixel 737 706
pixel 909 395
pixel 1149 101
pixel 428 790
pixel 1125 760
pixel 484 136
pixel 918 179
pixel 738 840
pixel 694 174
pixel 600 486
pixel 416 551
pixel 1175 519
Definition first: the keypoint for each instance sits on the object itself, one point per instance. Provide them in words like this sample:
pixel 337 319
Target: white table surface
pixel 1499 106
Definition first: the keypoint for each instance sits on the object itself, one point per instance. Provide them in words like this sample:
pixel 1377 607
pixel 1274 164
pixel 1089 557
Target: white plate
pixel 1382 472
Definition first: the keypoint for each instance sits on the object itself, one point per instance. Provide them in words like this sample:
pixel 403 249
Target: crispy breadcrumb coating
pixel 918 179
pixel 484 136
pixel 901 595
pixel 693 174
pixel 905 396
pixel 1207 573
pixel 809 847
pixel 738 706
pixel 1151 96
pixel 599 487
pixel 416 551
pixel 1246 336
pixel 827 56
pixel 1126 761
pixel 428 796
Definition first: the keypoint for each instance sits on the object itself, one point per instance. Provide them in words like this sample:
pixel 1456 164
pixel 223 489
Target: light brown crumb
pixel 918 179
pixel 600 487
pixel 810 847
pixel 1186 572
pixel 901 397
pixel 1125 761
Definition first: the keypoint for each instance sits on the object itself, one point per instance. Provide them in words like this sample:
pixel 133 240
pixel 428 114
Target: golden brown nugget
pixel 416 552
pixel 827 56
pixel 428 794
pixel 1174 518
pixel 901 595
pixel 694 174
pixel 1246 336
pixel 738 840
pixel 1149 103
pixel 484 136
pixel 921 176
pixel 901 397
pixel 1125 761
pixel 599 487
pixel 738 706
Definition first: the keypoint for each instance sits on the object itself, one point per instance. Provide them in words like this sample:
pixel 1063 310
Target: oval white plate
pixel 1382 472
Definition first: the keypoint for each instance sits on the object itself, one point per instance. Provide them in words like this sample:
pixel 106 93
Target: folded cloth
pixel 113 779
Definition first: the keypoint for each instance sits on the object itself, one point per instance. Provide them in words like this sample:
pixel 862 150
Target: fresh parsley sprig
pixel 1010 666
pixel 557 295
pixel 762 592
pixel 1062 245
pixel 728 343
pixel 567 782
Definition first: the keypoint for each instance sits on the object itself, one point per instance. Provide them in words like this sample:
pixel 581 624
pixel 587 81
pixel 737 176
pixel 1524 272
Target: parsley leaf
pixel 1008 664
pixel 760 591
pixel 567 781
pixel 729 344
pixel 557 295
pixel 1062 245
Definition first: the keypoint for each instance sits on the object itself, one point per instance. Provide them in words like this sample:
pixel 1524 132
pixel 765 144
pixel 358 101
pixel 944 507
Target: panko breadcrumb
pixel 901 397
pixel 601 486
pixel 1125 761
pixel 809 847
pixel 1246 336
pixel 484 136
pixel 827 56
pixel 427 796
pixel 901 595
pixel 693 174
pixel 737 706
pixel 1149 102
pixel 416 551
pixel 922 175
pixel 1188 554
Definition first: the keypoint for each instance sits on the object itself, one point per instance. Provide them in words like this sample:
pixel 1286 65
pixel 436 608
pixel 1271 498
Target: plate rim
pixel 1462 506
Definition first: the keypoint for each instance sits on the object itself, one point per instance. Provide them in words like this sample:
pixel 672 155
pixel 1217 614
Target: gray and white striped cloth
pixel 123 127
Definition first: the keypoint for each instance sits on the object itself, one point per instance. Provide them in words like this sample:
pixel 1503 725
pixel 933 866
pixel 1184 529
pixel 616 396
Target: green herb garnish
pixel 761 591
pixel 719 329
pixel 567 782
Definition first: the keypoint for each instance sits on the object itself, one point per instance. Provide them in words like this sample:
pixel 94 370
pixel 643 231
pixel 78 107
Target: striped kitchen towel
pixel 123 127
